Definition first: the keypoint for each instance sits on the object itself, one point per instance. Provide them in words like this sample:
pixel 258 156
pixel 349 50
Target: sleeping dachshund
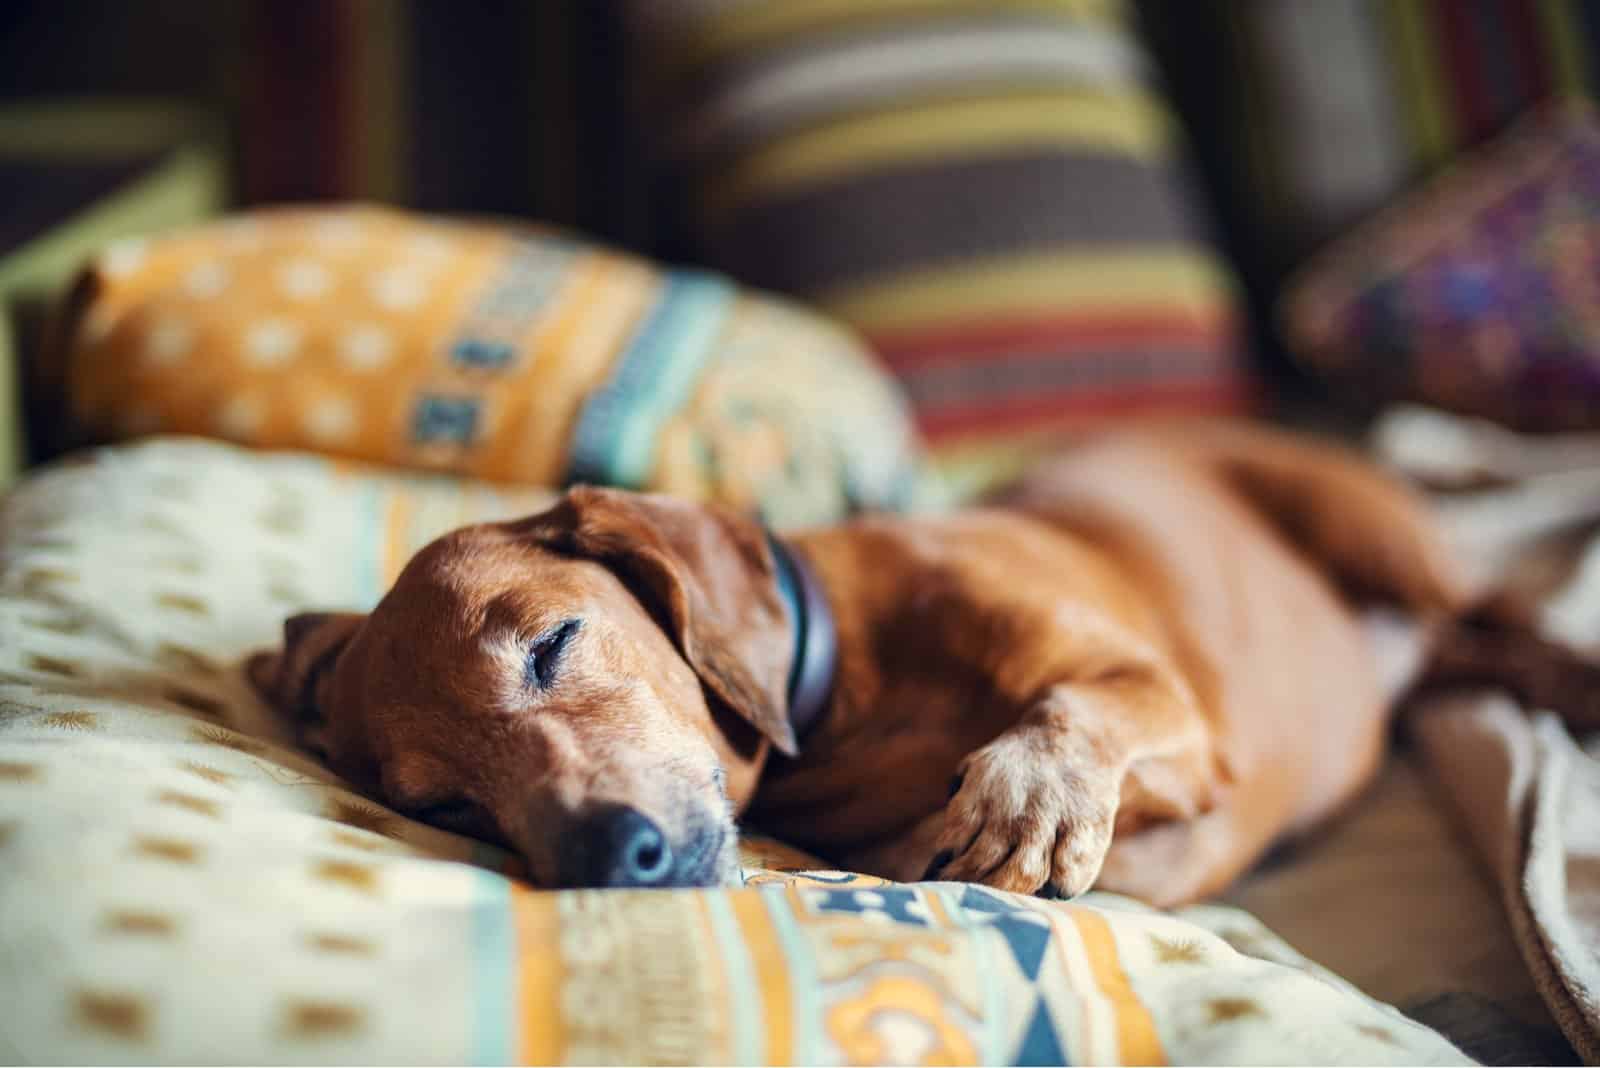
pixel 1139 670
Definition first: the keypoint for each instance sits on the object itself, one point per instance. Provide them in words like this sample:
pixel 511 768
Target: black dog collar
pixel 816 641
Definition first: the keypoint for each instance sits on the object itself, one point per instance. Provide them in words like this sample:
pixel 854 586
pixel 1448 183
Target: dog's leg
pixel 1510 654
pixel 1368 530
pixel 1034 810
pixel 903 857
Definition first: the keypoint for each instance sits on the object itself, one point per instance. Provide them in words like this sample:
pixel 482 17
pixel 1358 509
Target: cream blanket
pixel 1525 791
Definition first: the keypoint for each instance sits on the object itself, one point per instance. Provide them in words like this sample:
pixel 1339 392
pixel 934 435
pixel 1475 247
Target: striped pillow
pixel 987 190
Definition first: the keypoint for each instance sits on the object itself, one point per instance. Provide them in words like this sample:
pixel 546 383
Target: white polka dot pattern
pixel 398 288
pixel 331 420
pixel 303 279
pixel 241 417
pixel 206 280
pixel 271 342
pixel 365 347
pixel 508 353
pixel 168 341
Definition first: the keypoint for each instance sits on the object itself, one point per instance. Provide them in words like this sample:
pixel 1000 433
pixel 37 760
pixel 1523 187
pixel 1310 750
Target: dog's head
pixel 595 686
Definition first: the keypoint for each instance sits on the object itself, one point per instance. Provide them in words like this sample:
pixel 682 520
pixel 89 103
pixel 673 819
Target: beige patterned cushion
pixel 182 884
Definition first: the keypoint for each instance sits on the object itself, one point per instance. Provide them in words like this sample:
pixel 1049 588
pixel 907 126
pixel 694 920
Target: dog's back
pixel 1251 542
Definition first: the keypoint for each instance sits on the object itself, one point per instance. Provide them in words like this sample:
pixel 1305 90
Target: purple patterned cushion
pixel 1481 291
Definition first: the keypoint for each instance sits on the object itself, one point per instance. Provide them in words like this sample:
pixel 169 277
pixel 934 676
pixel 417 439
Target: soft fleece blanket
pixel 1524 789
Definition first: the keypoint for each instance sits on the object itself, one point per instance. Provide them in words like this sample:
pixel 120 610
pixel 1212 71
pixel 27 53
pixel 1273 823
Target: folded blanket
pixel 1526 791
pixel 184 884
pixel 1529 797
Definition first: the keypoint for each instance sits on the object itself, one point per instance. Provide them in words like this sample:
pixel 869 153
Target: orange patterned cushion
pixel 514 354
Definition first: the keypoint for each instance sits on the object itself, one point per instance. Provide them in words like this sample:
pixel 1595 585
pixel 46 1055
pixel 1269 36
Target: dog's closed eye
pixel 458 814
pixel 545 653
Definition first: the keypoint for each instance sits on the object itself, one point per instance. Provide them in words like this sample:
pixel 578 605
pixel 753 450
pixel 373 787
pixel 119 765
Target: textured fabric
pixel 1525 789
pixel 510 354
pixel 184 885
pixel 1476 293
pixel 1391 898
pixel 1529 797
pixel 988 191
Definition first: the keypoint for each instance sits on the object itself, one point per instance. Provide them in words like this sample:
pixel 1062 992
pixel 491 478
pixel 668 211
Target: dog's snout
pixel 617 846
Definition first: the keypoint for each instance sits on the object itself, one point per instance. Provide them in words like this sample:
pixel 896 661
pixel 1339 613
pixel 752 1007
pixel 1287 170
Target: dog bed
pixel 184 884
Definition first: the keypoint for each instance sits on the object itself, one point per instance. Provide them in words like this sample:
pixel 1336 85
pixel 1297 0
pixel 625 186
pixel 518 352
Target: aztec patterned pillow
pixel 1478 293
pixel 990 192
pixel 183 885
pixel 519 355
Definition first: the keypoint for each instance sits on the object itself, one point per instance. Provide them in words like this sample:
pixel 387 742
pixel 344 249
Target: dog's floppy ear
pixel 707 576
pixel 295 680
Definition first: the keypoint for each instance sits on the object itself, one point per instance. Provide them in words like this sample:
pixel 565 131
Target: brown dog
pixel 1141 669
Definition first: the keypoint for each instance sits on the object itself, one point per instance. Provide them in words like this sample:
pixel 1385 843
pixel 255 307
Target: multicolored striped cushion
pixel 520 355
pixel 988 191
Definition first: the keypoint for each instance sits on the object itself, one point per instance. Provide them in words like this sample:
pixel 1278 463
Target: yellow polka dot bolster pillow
pixel 182 884
pixel 511 354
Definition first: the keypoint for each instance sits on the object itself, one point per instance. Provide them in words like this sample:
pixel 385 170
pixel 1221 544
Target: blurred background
pixel 1259 131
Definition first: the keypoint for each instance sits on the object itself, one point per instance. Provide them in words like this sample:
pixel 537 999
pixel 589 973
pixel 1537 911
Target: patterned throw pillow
pixel 511 354
pixel 1480 292
pixel 989 191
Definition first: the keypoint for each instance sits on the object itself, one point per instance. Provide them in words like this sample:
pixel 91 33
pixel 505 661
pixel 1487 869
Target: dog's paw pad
pixel 1023 817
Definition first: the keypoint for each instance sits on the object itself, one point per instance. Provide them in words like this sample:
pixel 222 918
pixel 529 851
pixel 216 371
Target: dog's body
pixel 1138 612
pixel 1149 637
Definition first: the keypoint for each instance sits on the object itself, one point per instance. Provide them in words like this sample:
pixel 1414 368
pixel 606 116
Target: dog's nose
pixel 616 846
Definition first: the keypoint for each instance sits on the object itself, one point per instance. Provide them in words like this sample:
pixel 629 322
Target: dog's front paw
pixel 1026 817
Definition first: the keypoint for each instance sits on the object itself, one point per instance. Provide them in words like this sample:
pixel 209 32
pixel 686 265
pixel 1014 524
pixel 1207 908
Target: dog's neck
pixel 816 644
